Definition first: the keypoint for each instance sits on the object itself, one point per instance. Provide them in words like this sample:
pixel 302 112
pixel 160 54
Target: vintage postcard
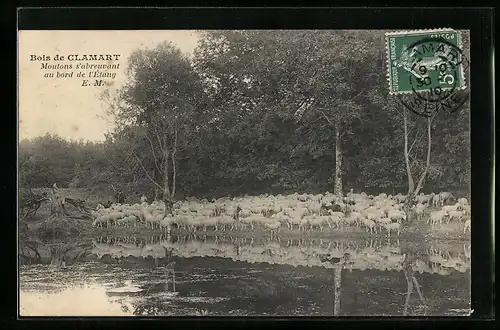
pixel 244 172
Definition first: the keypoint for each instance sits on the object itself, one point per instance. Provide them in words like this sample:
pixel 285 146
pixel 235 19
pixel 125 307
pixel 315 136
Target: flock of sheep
pixel 302 212
pixel 328 255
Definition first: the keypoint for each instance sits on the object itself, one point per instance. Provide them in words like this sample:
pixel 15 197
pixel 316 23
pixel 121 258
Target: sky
pixel 62 105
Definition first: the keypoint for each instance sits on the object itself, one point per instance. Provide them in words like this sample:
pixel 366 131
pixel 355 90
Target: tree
pixel 431 109
pixel 346 73
pixel 158 114
pixel 240 100
pixel 308 82
pixel 412 282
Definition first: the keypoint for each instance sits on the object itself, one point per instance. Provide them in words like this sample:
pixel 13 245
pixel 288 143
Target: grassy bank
pixel 418 231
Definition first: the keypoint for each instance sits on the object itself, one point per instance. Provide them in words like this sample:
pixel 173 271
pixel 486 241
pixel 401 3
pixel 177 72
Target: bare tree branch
pixel 174 174
pixel 428 161
pixel 174 167
pixel 166 188
pixel 407 158
pixel 153 151
pixel 175 137
pixel 359 94
pixel 326 117
pixel 157 134
pixel 145 171
pixel 416 139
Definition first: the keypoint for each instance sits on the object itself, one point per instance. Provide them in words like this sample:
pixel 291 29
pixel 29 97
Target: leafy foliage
pixel 255 112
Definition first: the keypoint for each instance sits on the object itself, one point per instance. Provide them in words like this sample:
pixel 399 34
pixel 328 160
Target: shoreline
pixel 414 232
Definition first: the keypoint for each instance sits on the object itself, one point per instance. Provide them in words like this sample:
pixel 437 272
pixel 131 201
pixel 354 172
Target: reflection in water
pixel 84 300
pixel 234 276
pixel 337 283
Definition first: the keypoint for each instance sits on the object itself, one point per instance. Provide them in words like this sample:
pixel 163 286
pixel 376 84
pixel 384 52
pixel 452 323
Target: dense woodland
pixel 258 112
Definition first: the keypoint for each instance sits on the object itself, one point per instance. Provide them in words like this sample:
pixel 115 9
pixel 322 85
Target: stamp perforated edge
pixel 413 32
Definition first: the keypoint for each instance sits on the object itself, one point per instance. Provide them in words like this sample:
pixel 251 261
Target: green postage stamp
pixel 424 61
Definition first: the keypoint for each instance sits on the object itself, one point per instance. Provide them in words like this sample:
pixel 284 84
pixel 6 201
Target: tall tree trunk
pixel 167 196
pixel 174 175
pixel 428 160
pixel 337 283
pixel 156 191
pixel 170 191
pixel 411 183
pixel 169 204
pixel 57 258
pixel 337 190
pixel 166 189
pixel 408 293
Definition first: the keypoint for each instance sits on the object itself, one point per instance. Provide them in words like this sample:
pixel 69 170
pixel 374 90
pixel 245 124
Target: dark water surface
pixel 164 276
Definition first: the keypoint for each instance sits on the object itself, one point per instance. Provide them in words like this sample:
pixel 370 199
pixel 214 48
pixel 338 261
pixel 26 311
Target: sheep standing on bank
pixel 436 201
pixel 445 197
pixel 274 228
pixel 369 224
pixel 419 210
pixel 396 215
pixel 436 217
pixel 305 212
pixel 467 226
pixel 392 226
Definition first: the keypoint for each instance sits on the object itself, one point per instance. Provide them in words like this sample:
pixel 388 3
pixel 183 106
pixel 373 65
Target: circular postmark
pixel 436 76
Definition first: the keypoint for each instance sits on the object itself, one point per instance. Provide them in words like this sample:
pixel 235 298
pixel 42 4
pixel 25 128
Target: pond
pixel 226 276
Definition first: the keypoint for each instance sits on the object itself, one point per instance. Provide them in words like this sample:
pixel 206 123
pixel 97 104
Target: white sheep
pixel 283 218
pixel 384 221
pixel 373 213
pixel 436 201
pixel 319 221
pixel 449 208
pixel 314 207
pixel 245 213
pixel 302 198
pixel 392 226
pixel 457 215
pixel 444 197
pixel 294 221
pixel 207 212
pixel 359 207
pixel 466 210
pixel 462 202
pixel 304 222
pixel 400 198
pixel 424 199
pixel 467 226
pixel 273 227
pixel 354 218
pixel 369 224
pixel 301 212
pixel 166 224
pixel 253 220
pixel 336 220
pixel 396 215
pixel 341 215
pixel 437 216
pixel 419 210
